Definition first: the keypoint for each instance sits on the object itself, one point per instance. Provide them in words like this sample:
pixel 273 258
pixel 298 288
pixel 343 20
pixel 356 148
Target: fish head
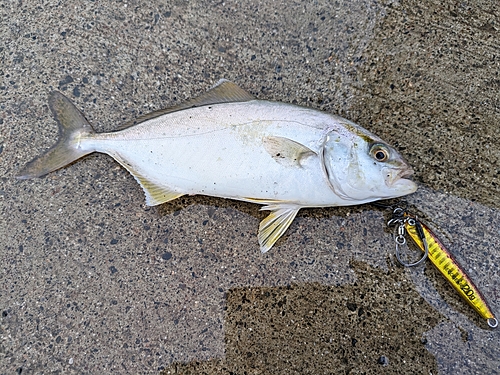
pixel 360 167
pixel 388 172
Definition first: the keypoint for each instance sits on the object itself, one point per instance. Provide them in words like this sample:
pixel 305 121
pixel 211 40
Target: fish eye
pixel 379 152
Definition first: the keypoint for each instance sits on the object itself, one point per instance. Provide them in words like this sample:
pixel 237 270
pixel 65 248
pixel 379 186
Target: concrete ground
pixel 93 281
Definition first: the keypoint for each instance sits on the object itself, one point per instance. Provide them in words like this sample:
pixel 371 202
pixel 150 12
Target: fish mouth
pixel 406 172
pixel 398 179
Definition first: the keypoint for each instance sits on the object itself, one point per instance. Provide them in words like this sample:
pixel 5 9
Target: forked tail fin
pixel 72 126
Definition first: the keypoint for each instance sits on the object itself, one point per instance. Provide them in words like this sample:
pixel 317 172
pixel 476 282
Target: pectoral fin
pixel 273 226
pixel 285 151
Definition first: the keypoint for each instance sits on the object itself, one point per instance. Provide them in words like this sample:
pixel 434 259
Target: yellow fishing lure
pixel 428 242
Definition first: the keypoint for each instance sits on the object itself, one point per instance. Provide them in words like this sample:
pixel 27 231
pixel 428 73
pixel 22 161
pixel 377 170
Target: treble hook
pixel 399 217
pixel 413 222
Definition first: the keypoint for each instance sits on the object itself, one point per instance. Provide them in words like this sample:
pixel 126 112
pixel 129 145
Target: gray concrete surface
pixel 93 281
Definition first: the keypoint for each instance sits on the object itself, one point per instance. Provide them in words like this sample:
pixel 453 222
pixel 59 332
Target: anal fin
pixel 274 225
pixel 155 193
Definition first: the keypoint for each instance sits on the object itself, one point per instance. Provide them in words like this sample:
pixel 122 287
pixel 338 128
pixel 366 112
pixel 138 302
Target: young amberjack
pixel 227 144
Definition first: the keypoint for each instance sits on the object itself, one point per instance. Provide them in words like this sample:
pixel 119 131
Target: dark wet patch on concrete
pixel 375 325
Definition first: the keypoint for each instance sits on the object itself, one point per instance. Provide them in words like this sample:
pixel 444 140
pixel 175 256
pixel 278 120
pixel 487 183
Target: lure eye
pixel 379 152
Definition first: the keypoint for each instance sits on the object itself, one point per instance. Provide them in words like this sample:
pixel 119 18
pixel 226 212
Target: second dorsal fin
pixel 224 91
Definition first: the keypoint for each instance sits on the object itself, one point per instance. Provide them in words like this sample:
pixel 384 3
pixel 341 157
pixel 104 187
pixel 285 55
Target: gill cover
pixel 335 152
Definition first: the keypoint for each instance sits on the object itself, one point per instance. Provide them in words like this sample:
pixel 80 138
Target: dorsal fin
pixel 224 91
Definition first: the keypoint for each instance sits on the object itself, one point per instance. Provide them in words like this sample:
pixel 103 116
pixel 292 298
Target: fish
pixel 228 144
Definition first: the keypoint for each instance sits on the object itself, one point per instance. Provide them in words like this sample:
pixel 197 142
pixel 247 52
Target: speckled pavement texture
pixel 93 281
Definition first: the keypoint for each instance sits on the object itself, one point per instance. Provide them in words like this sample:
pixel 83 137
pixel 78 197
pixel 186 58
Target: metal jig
pixel 442 259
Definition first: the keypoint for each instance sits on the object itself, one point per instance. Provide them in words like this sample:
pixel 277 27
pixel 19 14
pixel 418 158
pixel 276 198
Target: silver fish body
pixel 228 144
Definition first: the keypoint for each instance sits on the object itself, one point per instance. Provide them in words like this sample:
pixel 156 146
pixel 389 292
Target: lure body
pixel 451 270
